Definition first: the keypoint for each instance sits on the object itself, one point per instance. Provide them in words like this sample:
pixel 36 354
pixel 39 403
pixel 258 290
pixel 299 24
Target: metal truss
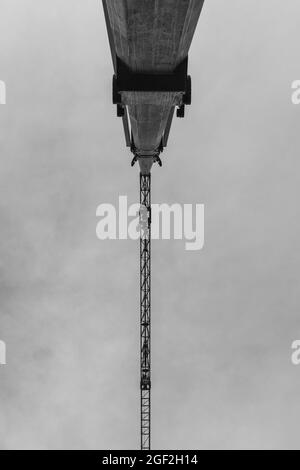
pixel 145 308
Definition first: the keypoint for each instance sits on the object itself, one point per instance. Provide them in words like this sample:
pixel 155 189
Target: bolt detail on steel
pixel 149 42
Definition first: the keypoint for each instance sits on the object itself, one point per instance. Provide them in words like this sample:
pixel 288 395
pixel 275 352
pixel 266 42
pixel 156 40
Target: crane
pixel 149 42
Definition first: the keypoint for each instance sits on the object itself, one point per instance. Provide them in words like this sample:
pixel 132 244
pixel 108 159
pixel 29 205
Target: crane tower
pixel 149 42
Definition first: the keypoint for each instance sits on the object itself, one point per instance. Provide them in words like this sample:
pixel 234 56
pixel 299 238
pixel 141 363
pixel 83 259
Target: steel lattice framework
pixel 145 307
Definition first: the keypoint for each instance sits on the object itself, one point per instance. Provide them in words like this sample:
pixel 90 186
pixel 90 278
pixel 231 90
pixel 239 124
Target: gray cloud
pixel 223 318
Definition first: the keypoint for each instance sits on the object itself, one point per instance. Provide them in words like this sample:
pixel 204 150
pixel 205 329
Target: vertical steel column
pixel 145 307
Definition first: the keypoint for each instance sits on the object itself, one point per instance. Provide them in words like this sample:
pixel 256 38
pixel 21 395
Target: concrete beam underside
pixel 152 36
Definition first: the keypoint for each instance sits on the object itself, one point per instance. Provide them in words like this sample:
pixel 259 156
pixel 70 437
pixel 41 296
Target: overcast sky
pixel 223 318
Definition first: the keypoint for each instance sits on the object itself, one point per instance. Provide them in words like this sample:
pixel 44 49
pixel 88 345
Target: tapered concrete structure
pixel 151 36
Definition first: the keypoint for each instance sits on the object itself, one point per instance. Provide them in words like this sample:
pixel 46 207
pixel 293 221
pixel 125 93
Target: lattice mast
pixel 145 309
